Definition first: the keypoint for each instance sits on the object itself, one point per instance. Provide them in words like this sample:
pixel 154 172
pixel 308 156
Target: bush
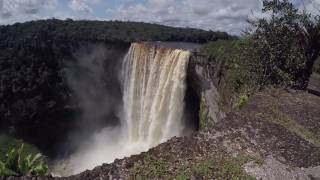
pixel 9 142
pixel 16 164
pixel 287 43
pixel 236 65
pixel 280 51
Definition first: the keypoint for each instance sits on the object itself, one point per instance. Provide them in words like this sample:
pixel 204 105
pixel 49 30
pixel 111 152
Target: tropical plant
pixel 18 164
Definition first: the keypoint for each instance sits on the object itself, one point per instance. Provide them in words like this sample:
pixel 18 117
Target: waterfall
pixel 154 90
pixel 154 87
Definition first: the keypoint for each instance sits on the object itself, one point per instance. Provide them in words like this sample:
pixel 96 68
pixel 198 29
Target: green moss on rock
pixel 203 115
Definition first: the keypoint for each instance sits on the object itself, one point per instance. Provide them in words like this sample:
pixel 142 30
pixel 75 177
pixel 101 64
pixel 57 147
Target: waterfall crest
pixel 154 90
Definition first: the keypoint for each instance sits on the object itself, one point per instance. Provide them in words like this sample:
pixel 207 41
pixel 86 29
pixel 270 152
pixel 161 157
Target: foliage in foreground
pixel 18 164
pixel 8 142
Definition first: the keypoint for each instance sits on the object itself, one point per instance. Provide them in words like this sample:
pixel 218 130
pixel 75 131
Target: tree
pixel 287 43
pixel 310 42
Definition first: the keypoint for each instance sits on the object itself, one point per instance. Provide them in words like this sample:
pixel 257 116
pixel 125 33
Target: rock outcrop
pixel 202 79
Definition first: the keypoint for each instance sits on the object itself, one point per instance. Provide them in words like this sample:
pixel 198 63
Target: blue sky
pixel 222 15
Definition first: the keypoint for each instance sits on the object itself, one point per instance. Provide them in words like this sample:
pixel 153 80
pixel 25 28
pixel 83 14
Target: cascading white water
pixel 154 87
pixel 154 90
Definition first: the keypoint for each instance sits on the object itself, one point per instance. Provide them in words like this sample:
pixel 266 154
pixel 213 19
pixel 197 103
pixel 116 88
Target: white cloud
pixel 22 10
pixel 312 6
pixel 223 15
pixel 80 6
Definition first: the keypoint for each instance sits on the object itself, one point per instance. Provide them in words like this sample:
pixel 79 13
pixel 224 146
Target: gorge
pixel 153 109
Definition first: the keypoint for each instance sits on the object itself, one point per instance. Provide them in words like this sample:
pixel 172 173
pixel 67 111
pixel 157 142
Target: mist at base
pixel 104 147
pixel 152 108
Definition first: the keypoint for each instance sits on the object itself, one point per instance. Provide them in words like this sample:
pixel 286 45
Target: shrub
pixel 243 99
pixel 17 164
pixel 236 66
pixel 8 141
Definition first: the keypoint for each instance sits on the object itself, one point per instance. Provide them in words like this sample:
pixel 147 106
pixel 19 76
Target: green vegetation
pixel 203 115
pixel 243 99
pixel 236 66
pixel 217 167
pixel 287 44
pixel 149 169
pixel 280 51
pixel 17 163
pixel 9 142
pixel 291 125
pixel 107 31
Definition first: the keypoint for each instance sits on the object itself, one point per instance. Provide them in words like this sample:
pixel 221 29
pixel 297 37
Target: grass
pixel 148 169
pixel 203 169
pixel 217 167
pixel 243 159
pixel 292 126
pixel 298 129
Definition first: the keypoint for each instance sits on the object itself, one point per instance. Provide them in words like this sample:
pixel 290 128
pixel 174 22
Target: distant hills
pixel 111 31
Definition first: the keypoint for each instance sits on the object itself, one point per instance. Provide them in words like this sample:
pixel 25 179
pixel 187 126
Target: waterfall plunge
pixel 154 90
pixel 154 86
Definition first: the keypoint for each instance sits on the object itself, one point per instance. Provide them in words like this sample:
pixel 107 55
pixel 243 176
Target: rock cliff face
pixel 203 81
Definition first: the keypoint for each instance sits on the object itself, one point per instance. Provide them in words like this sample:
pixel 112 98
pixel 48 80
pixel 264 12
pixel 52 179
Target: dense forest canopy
pixel 111 31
